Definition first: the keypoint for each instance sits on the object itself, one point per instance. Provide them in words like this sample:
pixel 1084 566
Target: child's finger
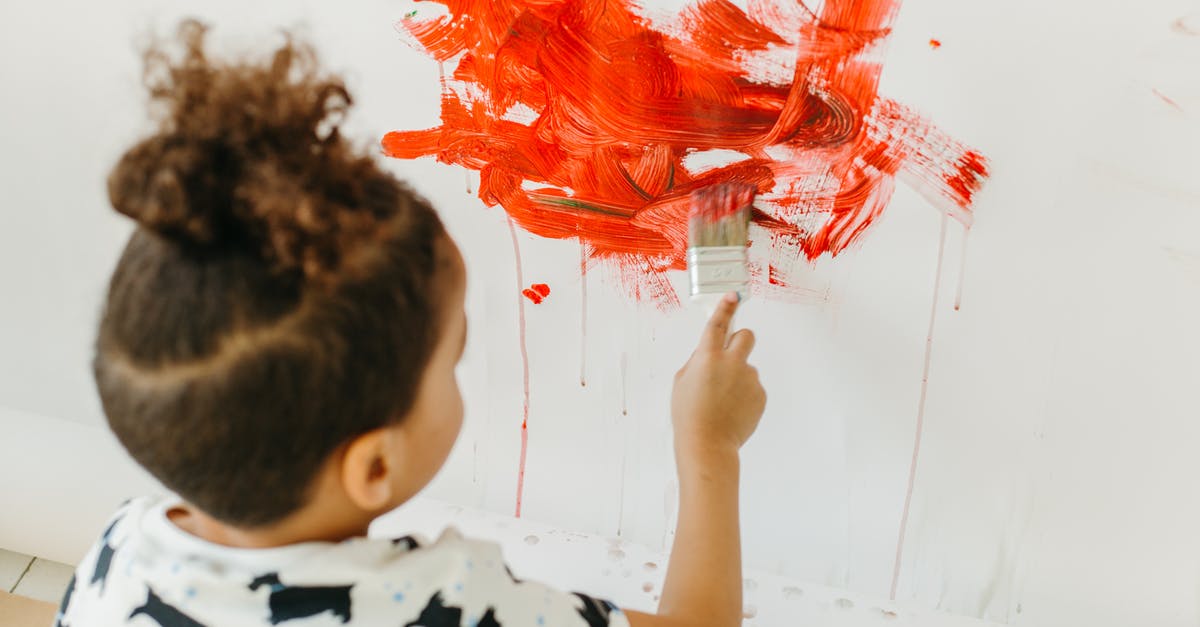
pixel 742 343
pixel 717 331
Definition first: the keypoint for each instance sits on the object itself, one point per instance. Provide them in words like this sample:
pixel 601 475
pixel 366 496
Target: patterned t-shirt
pixel 145 571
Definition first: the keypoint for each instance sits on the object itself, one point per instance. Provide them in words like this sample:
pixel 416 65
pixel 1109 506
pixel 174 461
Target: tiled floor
pixel 33 577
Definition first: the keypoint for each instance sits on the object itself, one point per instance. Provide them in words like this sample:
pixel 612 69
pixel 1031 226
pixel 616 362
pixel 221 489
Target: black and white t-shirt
pixel 145 571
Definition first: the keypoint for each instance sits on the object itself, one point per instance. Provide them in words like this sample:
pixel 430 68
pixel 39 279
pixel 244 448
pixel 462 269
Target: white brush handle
pixel 714 272
pixel 718 270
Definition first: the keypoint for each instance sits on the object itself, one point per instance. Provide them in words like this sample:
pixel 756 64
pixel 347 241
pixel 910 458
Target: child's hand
pixel 715 406
pixel 717 400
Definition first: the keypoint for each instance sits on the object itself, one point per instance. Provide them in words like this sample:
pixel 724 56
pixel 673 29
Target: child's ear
pixel 367 472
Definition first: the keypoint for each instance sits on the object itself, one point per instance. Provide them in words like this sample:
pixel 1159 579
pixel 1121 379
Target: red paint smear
pixel 579 115
pixel 935 44
pixel 1167 100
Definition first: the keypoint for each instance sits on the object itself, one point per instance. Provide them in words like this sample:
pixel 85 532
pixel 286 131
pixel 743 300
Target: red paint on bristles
pixel 719 214
pixel 722 200
pixel 935 44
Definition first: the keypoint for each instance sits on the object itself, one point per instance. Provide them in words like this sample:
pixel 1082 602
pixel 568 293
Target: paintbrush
pixel 718 231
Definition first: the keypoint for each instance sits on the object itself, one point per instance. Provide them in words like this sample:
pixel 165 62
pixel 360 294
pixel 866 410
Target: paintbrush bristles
pixel 720 215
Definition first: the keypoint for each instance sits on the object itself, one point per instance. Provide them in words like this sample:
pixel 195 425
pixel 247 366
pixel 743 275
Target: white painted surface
pixel 613 568
pixel 46 581
pixel 59 481
pixel 1056 478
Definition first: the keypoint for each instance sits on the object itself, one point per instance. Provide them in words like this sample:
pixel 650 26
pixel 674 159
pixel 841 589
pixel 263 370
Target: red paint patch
pixel 536 292
pixel 580 114
pixel 935 44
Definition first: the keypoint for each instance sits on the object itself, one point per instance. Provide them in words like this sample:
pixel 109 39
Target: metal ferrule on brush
pixel 717 270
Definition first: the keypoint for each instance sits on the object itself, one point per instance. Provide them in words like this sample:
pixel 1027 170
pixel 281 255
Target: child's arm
pixel 715 406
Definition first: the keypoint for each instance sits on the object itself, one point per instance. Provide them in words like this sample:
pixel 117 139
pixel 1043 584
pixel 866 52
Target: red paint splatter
pixel 536 292
pixel 935 44
pixel 582 117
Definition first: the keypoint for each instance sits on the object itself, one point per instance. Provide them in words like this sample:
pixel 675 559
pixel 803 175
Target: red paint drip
pixel 621 496
pixel 524 373
pixel 579 115
pixel 962 273
pixel 935 44
pixel 536 292
pixel 920 427
pixel 583 311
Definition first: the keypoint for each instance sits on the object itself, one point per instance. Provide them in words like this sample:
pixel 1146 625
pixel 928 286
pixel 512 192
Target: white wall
pixel 85 471
pixel 1055 481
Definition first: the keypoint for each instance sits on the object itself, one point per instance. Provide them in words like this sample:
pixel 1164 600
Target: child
pixel 278 347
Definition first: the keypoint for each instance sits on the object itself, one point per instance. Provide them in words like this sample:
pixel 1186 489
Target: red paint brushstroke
pixel 536 292
pixel 580 115
pixel 775 275
pixel 524 373
pixel 935 44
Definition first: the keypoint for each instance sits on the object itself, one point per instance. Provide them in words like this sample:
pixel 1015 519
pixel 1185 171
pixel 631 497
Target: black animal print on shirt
pixel 489 619
pixel 292 602
pixel 104 559
pixel 409 542
pixel 436 614
pixel 66 602
pixel 165 615
pixel 593 611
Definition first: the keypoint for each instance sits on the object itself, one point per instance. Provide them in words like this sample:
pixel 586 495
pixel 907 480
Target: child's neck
pixel 307 525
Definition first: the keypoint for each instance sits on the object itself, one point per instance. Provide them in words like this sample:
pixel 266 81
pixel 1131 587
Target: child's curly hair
pixel 277 298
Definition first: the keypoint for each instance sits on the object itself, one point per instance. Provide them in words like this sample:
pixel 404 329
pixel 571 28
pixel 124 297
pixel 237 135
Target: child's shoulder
pixel 450 551
pixel 142 564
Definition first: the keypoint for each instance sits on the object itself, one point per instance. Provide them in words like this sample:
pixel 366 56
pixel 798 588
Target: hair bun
pixel 249 154
pixel 156 183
